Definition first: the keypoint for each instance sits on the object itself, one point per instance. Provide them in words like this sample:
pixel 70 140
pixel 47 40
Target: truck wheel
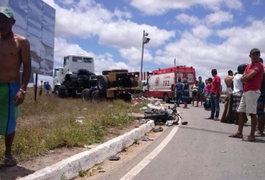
pixel 166 98
pixel 61 91
pixel 85 94
pixel 56 92
pixel 95 96
pixel 102 83
pixel 127 97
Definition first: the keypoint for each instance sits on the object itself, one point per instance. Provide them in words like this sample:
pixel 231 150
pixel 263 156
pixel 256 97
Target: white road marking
pixel 140 166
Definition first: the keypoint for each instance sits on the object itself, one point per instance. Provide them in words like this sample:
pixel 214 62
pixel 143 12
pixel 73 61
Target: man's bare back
pixel 12 53
pixel 228 81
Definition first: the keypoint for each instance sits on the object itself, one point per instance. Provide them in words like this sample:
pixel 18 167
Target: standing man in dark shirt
pixel 200 95
pixel 179 89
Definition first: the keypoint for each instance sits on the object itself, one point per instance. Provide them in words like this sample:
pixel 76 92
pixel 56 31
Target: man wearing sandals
pixel 14 51
pixel 251 92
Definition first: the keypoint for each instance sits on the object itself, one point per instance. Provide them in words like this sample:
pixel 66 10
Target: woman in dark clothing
pixel 194 90
pixel 185 95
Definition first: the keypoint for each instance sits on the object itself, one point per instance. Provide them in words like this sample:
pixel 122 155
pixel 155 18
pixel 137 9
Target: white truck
pixel 70 79
pixel 77 78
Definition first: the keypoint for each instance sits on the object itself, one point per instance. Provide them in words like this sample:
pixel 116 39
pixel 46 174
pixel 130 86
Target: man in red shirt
pixel 215 96
pixel 251 92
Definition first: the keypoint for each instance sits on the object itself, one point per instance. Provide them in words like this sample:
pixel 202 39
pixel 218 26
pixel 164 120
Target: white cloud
pixel 202 32
pixel 156 7
pixel 105 62
pixel 88 19
pixel 159 52
pixel 127 34
pixel 250 19
pixel 67 2
pixel 62 48
pixel 214 19
pixel 121 14
pixel 186 19
pixel 218 18
pixel 84 19
pixel 134 55
pixel 257 2
pixel 245 38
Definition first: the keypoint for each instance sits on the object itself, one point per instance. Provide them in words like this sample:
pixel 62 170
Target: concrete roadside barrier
pixel 70 167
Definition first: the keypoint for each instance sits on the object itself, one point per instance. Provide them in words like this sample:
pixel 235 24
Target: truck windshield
pixel 56 72
pixel 88 60
pixel 77 59
pixel 82 59
pixel 66 61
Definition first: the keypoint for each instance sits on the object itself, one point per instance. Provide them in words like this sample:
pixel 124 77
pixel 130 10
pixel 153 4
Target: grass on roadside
pixel 50 123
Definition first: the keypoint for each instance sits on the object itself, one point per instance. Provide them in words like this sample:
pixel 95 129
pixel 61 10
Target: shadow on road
pixel 258 139
pixel 12 173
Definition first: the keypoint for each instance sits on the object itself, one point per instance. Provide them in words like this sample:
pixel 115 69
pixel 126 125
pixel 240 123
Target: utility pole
pixel 145 40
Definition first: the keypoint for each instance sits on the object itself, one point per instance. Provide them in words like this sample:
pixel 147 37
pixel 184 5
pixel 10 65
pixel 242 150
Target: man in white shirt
pixel 238 87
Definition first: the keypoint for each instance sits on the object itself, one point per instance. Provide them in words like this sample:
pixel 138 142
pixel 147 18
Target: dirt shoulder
pixel 25 168
pixel 30 166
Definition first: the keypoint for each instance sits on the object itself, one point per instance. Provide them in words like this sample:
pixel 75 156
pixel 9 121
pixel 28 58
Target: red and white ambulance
pixel 161 83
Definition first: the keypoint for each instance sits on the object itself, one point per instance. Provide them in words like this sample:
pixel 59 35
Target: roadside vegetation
pixel 51 123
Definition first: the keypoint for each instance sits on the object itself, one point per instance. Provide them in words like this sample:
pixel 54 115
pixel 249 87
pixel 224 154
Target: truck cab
pixel 58 76
pixel 71 65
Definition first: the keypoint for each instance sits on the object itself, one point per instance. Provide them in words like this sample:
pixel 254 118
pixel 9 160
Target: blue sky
pixel 205 34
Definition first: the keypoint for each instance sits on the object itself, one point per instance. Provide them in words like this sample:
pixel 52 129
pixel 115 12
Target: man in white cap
pixel 14 51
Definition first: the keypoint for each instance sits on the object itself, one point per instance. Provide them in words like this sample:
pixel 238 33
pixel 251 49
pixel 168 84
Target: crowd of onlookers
pixel 245 95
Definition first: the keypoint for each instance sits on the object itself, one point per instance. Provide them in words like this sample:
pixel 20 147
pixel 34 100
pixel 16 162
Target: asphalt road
pixel 201 150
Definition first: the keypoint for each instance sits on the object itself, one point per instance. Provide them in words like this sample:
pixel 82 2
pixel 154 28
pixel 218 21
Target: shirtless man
pixel 14 51
pixel 227 113
pixel 228 81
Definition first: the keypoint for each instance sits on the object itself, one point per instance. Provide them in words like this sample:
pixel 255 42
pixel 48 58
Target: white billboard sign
pixel 35 20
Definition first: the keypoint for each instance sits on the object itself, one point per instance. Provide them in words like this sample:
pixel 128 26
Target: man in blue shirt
pixel 47 88
pixel 200 95
pixel 178 89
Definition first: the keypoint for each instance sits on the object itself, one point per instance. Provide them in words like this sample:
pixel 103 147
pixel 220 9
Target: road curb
pixel 69 167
